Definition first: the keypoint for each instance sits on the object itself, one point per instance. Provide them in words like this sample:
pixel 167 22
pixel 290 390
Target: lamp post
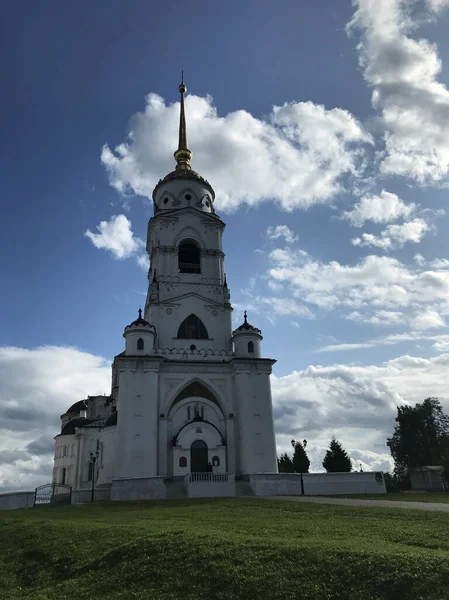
pixel 304 444
pixel 93 461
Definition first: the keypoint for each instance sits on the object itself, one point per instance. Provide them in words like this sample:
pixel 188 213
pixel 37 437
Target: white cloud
pixel 36 387
pixel 403 72
pixel 357 403
pixel 395 236
pixel 382 208
pixel 282 231
pixel 117 237
pixel 298 156
pixel 427 320
pixel 378 290
pixel 437 6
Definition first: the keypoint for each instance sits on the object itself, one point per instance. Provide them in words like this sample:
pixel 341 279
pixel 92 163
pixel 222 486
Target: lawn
pixel 439 497
pixel 240 548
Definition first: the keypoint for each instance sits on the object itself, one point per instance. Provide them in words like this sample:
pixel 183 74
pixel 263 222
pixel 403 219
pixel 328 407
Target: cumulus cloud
pixel 427 320
pixel 403 73
pixel 298 156
pixel 117 237
pixel 395 236
pixel 36 387
pixel 282 231
pixel 437 5
pixel 382 208
pixel 378 290
pixel 357 403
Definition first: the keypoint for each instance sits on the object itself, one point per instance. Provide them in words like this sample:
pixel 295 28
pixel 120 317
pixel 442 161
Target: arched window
pixel 140 344
pixel 189 257
pixel 192 328
pixel 183 461
pixel 215 461
pixel 63 476
pixel 250 346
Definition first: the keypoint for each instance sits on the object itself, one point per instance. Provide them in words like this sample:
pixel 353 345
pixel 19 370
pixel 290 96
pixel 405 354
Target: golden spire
pixel 183 156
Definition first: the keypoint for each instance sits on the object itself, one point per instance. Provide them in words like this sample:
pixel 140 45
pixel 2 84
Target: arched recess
pixel 140 345
pixel 199 389
pixel 166 200
pixel 189 257
pixel 189 233
pixel 184 196
pixel 192 328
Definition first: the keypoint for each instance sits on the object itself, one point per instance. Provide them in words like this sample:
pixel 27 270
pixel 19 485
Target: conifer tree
pixel 337 459
pixel 300 461
pixel 285 464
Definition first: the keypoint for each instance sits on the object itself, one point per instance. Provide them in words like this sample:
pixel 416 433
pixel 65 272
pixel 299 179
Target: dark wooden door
pixel 198 457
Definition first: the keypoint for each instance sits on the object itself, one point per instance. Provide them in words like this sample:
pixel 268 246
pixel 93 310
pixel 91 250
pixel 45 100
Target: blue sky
pixel 357 149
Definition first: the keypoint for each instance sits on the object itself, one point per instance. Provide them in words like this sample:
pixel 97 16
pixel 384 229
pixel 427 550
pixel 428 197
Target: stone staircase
pixel 175 488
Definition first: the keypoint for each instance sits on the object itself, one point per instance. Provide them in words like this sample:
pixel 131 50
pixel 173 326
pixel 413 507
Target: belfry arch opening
pixel 192 328
pixel 189 259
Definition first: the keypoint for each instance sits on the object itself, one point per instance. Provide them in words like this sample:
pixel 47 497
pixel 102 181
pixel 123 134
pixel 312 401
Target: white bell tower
pixel 193 396
pixel 188 299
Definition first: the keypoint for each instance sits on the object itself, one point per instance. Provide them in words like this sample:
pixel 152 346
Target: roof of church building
pixel 111 420
pixel 77 407
pixel 69 428
pixel 183 155
pixel 139 321
pixel 247 326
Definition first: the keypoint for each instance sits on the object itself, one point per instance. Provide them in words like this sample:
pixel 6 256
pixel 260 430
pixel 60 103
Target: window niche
pixel 140 344
pixel 192 328
pixel 251 347
pixel 189 259
pixel 183 461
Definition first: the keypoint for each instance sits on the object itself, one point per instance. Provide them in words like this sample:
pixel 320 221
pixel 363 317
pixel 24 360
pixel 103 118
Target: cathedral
pixel 190 397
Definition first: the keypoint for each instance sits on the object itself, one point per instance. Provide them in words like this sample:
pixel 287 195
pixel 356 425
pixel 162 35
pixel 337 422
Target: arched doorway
pixel 198 457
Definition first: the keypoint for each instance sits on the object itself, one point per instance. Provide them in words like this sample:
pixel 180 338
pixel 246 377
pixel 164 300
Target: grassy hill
pixel 223 549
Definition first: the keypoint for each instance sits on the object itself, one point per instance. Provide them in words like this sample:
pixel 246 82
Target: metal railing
pixel 209 478
pixel 189 267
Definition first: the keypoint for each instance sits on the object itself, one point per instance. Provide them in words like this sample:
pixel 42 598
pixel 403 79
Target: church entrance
pixel 198 457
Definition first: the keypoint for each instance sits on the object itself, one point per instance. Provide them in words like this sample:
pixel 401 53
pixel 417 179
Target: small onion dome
pixel 140 322
pixel 245 327
pixel 69 428
pixel 246 340
pixel 111 421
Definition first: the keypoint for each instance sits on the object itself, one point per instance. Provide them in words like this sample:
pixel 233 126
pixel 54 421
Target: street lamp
pixel 304 445
pixel 93 462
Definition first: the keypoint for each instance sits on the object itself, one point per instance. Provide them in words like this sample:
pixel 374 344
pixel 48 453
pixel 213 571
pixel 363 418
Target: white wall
pixel 315 484
pixel 15 500
pixel 138 416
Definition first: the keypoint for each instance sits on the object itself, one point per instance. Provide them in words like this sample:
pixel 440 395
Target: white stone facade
pixel 188 394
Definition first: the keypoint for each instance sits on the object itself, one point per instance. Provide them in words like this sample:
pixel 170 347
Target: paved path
pixel 358 502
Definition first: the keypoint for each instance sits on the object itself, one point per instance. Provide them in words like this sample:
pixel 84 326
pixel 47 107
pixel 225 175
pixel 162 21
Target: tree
pixel 285 464
pixel 300 461
pixel 420 437
pixel 336 459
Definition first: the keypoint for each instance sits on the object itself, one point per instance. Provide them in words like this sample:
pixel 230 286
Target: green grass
pixel 439 497
pixel 223 549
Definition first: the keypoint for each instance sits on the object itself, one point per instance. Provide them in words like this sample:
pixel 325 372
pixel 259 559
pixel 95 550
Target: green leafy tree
pixel 420 437
pixel 300 461
pixel 336 459
pixel 285 464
